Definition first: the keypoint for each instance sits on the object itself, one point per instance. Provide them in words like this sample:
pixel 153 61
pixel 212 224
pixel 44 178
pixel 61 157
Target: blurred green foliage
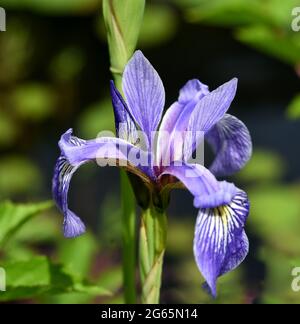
pixel 67 64
pixel 54 7
pixel 38 276
pixel 12 217
pixel 265 25
pixel 42 265
pixel 16 172
pixel 156 16
pixel 33 102
pixel 264 167
pixel 16 52
pixel 97 117
pixel 8 129
pixel 293 111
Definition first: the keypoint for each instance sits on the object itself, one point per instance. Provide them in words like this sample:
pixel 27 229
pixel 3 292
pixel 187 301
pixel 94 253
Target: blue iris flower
pixel 164 161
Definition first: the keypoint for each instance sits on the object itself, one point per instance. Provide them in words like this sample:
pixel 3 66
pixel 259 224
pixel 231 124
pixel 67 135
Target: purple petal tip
pixel 73 226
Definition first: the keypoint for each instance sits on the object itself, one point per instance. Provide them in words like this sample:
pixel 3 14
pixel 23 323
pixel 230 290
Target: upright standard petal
pixel 231 142
pixel 75 152
pixel 175 120
pixel 207 113
pixel 193 89
pixel 220 242
pixel 125 125
pixel 208 192
pixel 144 93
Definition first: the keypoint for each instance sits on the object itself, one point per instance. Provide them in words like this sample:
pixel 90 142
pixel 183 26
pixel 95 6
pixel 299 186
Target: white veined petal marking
pixel 66 170
pixel 220 223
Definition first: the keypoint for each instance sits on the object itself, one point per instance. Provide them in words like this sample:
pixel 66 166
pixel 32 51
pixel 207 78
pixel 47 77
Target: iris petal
pixel 73 226
pixel 125 125
pixel 232 144
pixel 75 152
pixel 220 242
pixel 144 93
pixel 175 120
pixel 207 190
pixel 192 90
pixel 207 113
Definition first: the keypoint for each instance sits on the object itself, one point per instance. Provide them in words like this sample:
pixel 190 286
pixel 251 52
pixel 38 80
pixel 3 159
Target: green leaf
pixel 78 253
pixel 280 43
pixel 293 110
pixel 228 13
pixel 123 20
pixel 239 12
pixel 38 276
pixel 111 279
pixel 12 217
pixel 264 25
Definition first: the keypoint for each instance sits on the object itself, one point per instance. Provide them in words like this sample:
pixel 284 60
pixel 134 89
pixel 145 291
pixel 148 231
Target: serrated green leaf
pixel 38 276
pixel 78 253
pixel 13 216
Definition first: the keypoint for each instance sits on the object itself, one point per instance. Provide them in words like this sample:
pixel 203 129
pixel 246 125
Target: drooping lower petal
pixel 207 190
pixel 232 144
pixel 73 225
pixel 220 242
pixel 76 152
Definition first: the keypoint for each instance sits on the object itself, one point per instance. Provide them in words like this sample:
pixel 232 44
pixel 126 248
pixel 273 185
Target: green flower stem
pixel 128 232
pixel 153 236
pixel 123 19
pixel 128 238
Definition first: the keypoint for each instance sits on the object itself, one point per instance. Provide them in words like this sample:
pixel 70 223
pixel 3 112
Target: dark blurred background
pixel 54 75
